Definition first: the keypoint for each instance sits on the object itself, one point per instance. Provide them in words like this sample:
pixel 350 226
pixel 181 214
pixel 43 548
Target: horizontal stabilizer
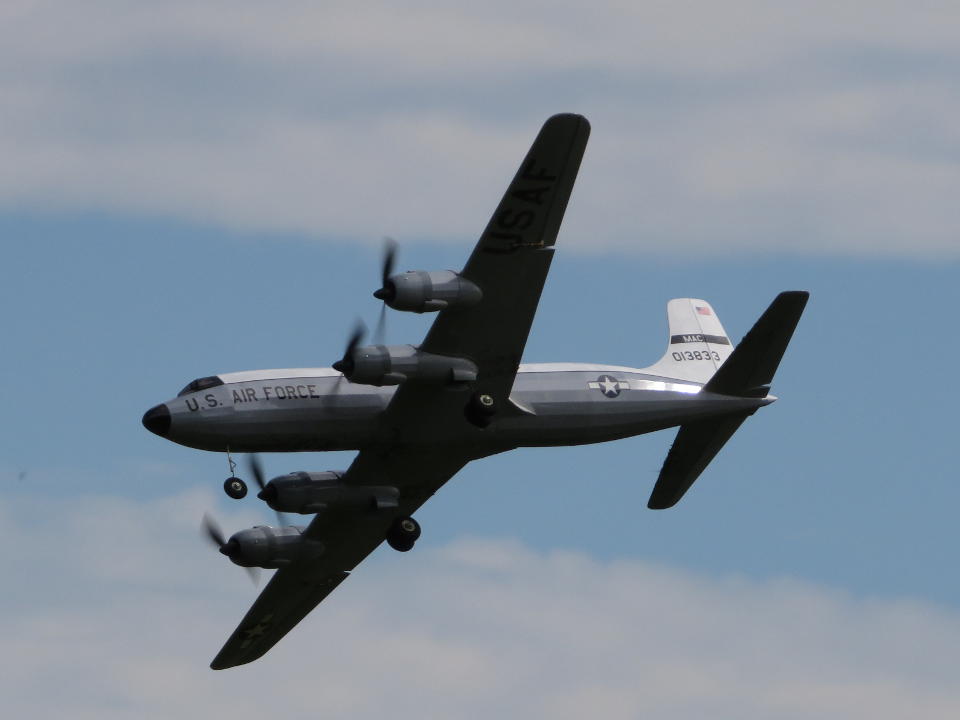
pixel 697 443
pixel 749 370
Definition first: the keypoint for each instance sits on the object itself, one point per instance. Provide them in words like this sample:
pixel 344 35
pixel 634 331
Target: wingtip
pixel 569 117
pixel 224 665
pixel 798 296
pixel 219 663
pixel 656 503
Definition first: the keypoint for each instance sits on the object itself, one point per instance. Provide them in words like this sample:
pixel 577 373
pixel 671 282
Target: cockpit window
pixel 201 384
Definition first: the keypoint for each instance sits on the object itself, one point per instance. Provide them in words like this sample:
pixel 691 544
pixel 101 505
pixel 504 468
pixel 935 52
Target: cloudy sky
pixel 192 188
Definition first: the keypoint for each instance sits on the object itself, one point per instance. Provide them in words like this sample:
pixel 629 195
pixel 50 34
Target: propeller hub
pixel 230 548
pixel 268 494
pixel 346 364
pixel 387 293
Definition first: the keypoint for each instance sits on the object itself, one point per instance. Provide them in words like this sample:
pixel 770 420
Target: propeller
pixel 228 547
pixel 388 290
pixel 213 531
pixel 346 364
pixel 256 469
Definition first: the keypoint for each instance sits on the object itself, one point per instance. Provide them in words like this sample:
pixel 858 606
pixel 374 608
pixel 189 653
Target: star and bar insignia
pixel 251 633
pixel 609 385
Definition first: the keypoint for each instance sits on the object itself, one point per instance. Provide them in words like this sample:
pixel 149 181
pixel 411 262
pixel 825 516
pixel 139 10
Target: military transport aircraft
pixel 418 414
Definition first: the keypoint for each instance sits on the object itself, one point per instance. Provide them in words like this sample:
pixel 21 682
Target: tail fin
pixel 748 372
pixel 698 343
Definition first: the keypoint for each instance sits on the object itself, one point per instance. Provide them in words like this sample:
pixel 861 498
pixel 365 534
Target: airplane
pixel 417 414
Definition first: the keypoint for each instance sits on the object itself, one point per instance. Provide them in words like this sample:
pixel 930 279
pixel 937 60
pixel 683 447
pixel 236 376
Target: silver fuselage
pixel 551 404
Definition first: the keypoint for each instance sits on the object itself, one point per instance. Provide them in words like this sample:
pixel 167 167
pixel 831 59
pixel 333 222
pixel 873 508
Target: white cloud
pixel 820 127
pixel 113 608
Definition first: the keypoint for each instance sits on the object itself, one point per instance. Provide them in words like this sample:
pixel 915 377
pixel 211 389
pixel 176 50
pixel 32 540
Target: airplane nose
pixel 157 420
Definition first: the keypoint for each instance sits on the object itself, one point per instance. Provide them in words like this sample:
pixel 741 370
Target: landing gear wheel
pixel 403 534
pixel 235 487
pixel 481 409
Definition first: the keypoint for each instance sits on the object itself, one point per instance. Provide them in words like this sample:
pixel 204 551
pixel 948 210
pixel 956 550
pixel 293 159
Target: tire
pixel 403 534
pixel 235 487
pixel 481 409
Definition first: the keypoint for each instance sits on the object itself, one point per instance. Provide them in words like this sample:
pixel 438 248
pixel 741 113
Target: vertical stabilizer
pixel 698 343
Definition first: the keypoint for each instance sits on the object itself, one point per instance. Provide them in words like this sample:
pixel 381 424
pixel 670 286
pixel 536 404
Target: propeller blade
pixel 389 259
pixel 379 336
pixel 345 364
pixel 256 469
pixel 387 290
pixel 212 530
pixel 359 330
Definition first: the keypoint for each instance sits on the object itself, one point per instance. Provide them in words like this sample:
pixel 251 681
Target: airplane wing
pixel 509 264
pixel 510 261
pixel 348 538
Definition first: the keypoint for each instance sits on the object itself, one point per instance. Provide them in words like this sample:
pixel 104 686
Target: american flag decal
pixel 703 310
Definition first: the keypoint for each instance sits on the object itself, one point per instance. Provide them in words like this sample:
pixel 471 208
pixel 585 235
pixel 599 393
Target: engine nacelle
pixel 420 291
pixel 268 547
pixel 313 492
pixel 394 364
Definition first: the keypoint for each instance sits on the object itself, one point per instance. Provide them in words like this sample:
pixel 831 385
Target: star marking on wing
pixel 609 385
pixel 251 633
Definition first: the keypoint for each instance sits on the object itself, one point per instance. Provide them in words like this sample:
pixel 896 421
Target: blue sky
pixel 190 191
pixel 846 480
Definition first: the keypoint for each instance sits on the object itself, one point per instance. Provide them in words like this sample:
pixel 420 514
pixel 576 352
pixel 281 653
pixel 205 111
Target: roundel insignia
pixel 608 385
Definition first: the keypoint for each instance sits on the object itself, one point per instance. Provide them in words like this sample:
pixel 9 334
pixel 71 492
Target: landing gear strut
pixel 234 486
pixel 403 534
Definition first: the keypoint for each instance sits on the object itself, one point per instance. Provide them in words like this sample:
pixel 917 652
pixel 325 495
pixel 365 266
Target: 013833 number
pixel 696 355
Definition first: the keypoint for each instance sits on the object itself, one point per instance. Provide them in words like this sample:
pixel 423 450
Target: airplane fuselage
pixel 315 409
